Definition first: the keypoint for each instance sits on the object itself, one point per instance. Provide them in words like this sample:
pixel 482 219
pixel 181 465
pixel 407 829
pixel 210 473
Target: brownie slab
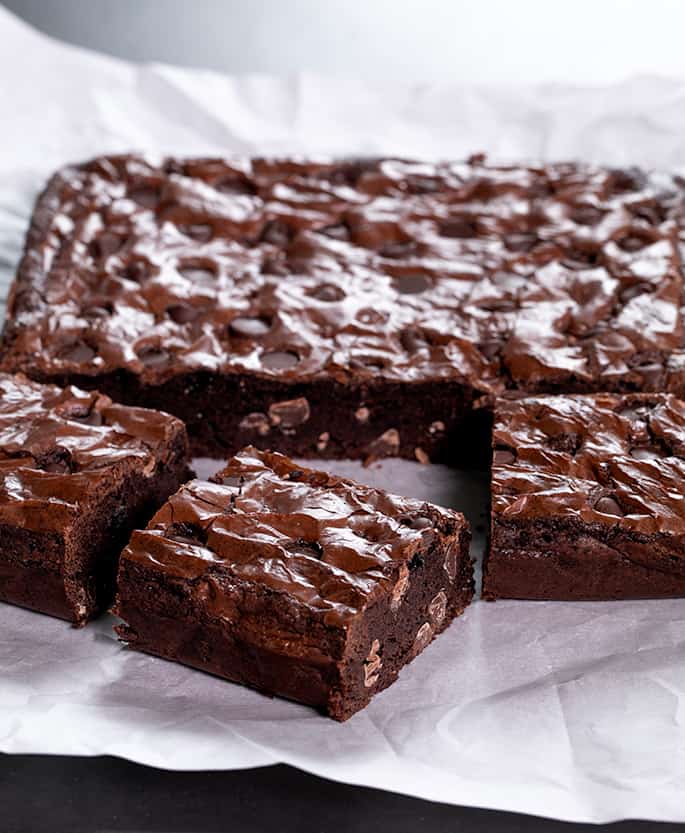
pixel 77 473
pixel 347 308
pixel 588 498
pixel 292 581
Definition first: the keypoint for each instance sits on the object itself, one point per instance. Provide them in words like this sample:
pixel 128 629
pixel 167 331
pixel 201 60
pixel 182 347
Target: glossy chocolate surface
pixel 563 277
pixel 331 544
pixel 58 447
pixel 617 461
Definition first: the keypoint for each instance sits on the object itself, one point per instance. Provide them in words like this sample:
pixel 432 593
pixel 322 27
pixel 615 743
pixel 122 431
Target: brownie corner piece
pixel 77 473
pixel 293 581
pixel 588 498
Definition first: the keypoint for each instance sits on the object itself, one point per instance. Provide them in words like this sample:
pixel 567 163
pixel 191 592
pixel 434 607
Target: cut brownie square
pixel 77 473
pixel 350 308
pixel 588 498
pixel 292 581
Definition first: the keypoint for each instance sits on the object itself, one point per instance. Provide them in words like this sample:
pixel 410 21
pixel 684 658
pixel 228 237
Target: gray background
pixel 586 41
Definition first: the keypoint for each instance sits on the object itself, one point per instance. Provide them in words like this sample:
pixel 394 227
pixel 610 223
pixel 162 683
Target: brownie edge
pixel 588 498
pixel 77 474
pixel 294 582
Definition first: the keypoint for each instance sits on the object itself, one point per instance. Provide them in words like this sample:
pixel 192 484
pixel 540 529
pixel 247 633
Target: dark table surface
pixel 40 794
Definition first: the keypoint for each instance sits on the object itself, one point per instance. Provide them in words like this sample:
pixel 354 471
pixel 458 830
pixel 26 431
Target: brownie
pixel 77 473
pixel 347 308
pixel 292 581
pixel 588 498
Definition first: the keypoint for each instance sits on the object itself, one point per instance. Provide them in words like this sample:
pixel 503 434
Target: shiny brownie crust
pixel 588 498
pixel 381 297
pixel 294 582
pixel 77 474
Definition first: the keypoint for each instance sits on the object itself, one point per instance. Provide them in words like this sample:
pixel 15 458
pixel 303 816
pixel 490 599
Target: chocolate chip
pixel 413 340
pixel 99 310
pixel 257 422
pixel 437 609
pixel 626 179
pixel 153 356
pixel 186 533
pixel 520 242
pixel 327 292
pixel 81 412
pixel 182 313
pixel 202 232
pixel 147 196
pixel 338 232
pixel 422 184
pixel 397 250
pixel 578 258
pixel 417 521
pixel 587 215
pixel 78 352
pixel 634 291
pixel 290 413
pixel 279 360
pixel 276 232
pixel 57 460
pixel 459 227
pixel 503 456
pixel 412 284
pixel 301 547
pixel 633 242
pixel 236 185
pixel 274 266
pixel 608 506
pixel 136 270
pixel 373 664
pixel 106 244
pixel 197 273
pixel 249 327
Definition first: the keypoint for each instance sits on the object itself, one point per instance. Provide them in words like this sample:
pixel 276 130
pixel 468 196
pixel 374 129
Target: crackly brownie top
pixel 606 459
pixel 535 277
pixel 331 544
pixel 58 446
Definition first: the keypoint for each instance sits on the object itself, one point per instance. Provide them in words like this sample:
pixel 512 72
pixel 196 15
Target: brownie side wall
pixel 268 642
pixel 225 412
pixel 396 633
pixel 31 571
pixel 569 560
pixel 243 633
pixel 95 542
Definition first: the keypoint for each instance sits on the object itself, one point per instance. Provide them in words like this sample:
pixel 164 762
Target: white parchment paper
pixel 567 710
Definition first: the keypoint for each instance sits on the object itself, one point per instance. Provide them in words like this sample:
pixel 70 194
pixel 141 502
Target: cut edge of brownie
pixel 70 574
pixel 282 647
pixel 569 560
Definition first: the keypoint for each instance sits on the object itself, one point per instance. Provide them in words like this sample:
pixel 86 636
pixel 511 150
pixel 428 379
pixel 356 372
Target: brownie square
pixel 347 308
pixel 588 498
pixel 77 473
pixel 293 581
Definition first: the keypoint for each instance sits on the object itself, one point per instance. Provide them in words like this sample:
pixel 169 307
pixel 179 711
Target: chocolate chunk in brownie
pixel 381 298
pixel 77 473
pixel 292 581
pixel 588 498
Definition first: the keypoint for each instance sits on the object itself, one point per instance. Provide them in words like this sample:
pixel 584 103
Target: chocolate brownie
pixel 77 473
pixel 588 498
pixel 347 308
pixel 292 581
